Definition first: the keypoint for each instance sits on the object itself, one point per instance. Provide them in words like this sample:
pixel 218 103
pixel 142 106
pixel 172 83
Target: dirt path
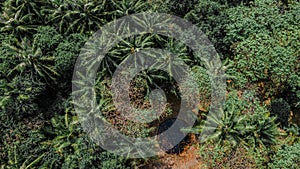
pixel 188 159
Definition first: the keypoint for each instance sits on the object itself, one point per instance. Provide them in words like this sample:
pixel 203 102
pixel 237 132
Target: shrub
pixel 79 16
pixel 19 96
pixel 21 57
pixel 218 157
pixel 180 8
pixel 281 109
pixel 263 42
pixel 286 157
pixel 128 7
pixel 47 39
pixel 66 54
pixel 211 18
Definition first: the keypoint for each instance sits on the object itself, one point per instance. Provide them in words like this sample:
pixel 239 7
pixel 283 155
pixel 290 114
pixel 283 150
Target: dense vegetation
pixel 258 42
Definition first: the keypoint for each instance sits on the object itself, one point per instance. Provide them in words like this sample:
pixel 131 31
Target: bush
pixel 47 39
pixel 19 96
pixel 41 40
pixel 263 42
pixel 281 109
pixel 211 18
pixel 286 157
pixel 21 18
pixel 225 157
pixel 67 52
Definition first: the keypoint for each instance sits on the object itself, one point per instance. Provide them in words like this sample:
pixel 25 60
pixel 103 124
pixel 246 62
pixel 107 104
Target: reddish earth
pixel 188 159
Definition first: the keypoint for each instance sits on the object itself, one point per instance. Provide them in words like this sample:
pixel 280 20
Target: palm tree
pixel 22 17
pixel 242 123
pixel 31 59
pixel 127 7
pixel 81 16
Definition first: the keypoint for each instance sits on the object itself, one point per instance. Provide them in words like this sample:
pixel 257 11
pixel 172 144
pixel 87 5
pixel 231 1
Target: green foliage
pixel 281 109
pixel 286 157
pixel 211 18
pixel 225 157
pixel 47 39
pixel 81 16
pixel 257 18
pixel 263 38
pixel 292 134
pixel 243 122
pixel 262 58
pixel 59 144
pixel 41 40
pixel 180 8
pixel 127 7
pixel 124 50
pixel 22 57
pixel 22 78
pixel 22 17
pixel 73 146
pixel 22 151
pixel 19 96
pixel 67 52
pixel 202 79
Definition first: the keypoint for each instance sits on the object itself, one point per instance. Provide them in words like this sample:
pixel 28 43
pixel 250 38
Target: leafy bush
pixel 292 133
pixel 281 109
pixel 22 57
pixel 180 8
pixel 79 16
pixel 67 52
pixel 211 18
pixel 19 96
pixel 59 144
pixel 260 58
pixel 74 149
pixel 21 150
pixel 41 39
pixel 286 157
pixel 47 39
pixel 263 40
pixel 224 157
pixel 128 7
